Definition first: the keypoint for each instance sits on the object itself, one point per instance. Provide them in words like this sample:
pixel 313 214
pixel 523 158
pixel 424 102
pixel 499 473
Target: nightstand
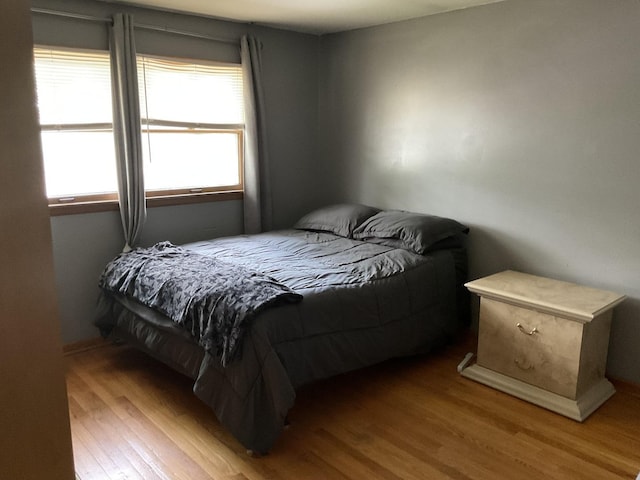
pixel 544 341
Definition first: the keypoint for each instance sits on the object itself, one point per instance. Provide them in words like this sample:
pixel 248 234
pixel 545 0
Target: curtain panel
pixel 126 128
pixel 257 185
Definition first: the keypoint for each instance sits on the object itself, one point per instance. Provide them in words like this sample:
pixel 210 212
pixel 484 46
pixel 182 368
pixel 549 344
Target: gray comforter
pixel 363 303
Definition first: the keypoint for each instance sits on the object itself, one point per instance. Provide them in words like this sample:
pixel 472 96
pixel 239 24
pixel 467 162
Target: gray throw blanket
pixel 212 299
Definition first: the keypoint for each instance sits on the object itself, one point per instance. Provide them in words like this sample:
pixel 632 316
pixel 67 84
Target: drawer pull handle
pixel 522 329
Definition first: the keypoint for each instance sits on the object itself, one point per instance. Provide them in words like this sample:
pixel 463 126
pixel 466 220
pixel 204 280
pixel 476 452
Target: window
pixel 74 102
pixel 192 125
pixel 192 122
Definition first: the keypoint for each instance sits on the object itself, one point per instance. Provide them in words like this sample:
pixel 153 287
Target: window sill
pixel 152 202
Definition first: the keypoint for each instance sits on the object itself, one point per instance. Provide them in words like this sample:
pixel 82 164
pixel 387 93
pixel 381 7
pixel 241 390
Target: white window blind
pixel 74 87
pixel 180 91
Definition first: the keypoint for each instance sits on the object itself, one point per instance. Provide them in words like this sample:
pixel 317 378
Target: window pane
pixel 78 163
pixel 184 160
pixel 74 103
pixel 191 115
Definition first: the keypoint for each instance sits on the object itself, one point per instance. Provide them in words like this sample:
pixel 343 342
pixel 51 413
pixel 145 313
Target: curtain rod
pixel 172 31
pixel 79 16
pixel 141 26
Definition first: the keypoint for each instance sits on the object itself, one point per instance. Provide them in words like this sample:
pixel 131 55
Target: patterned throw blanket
pixel 212 299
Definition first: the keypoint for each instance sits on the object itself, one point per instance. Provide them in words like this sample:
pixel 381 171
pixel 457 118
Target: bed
pixel 349 286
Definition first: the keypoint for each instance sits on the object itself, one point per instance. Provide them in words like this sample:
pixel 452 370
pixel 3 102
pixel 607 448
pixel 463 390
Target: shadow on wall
pixel 625 362
pixel 492 251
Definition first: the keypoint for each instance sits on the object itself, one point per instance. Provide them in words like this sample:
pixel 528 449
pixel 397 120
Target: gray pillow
pixel 340 219
pixel 416 232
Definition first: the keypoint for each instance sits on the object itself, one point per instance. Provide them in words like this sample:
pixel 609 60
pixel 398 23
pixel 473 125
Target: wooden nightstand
pixel 544 341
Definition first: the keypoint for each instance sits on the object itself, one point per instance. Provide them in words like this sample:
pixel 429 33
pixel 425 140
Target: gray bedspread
pixel 211 298
pixel 363 303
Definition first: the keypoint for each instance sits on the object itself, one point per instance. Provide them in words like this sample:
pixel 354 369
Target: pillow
pixel 339 219
pixel 412 231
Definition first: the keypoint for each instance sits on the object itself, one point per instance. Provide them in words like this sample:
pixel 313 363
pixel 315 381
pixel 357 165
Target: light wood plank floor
pixel 134 418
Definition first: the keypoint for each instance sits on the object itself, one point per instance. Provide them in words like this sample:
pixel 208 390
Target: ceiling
pixel 313 16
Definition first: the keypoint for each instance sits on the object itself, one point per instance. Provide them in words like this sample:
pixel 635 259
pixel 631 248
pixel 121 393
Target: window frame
pixel 107 205
pixel 56 201
pixel 102 202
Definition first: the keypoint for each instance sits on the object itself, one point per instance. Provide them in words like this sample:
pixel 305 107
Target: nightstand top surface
pixel 553 296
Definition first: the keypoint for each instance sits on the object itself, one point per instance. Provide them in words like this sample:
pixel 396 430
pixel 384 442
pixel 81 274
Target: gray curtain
pixel 126 128
pixel 257 189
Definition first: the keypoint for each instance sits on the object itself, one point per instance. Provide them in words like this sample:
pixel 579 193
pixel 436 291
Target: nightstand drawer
pixel 534 347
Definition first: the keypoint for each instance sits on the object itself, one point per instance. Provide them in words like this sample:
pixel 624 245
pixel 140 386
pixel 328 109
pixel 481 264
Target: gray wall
pixel 520 118
pixel 84 243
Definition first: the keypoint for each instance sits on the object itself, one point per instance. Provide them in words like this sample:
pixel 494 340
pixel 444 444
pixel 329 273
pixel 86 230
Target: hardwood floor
pixel 134 418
